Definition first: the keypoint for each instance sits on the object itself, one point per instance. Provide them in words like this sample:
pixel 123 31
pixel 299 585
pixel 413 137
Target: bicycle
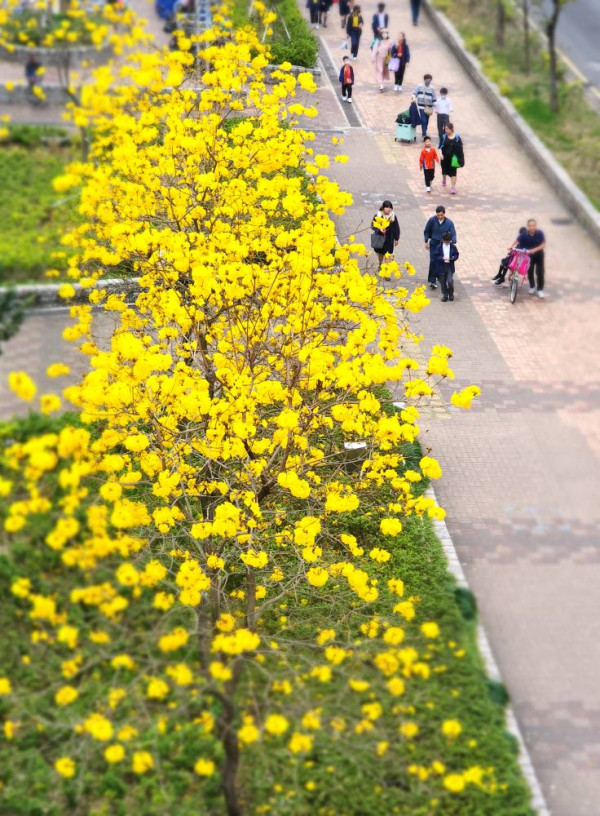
pixel 518 267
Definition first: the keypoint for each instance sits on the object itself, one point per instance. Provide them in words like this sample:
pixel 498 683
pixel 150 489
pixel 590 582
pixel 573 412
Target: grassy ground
pixel 573 134
pixel 337 778
pixel 300 47
pixel 32 215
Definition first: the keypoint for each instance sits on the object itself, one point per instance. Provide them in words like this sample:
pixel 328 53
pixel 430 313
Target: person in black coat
pixel 344 7
pixel 324 6
pixel 391 232
pixel 354 30
pixel 453 156
pixel 380 21
pixel 445 255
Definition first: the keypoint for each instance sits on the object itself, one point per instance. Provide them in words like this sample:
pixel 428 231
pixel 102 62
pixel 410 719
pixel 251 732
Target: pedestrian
pixel 435 227
pixel 347 80
pixel 380 21
pixel 413 112
pixel 453 156
pixel 500 275
pixel 32 67
pixel 345 7
pixel 354 30
pixel 385 238
pixel 427 161
pixel 380 55
pixel 534 243
pixel 399 61
pixel 425 93
pixel 443 107
pixel 324 6
pixel 446 254
pixel 415 7
pixel 313 7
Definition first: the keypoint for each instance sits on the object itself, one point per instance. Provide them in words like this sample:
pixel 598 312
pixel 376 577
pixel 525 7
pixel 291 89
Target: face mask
pixel 428 82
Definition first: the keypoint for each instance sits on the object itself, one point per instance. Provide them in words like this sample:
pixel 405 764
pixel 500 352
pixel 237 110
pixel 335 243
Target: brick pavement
pixel 520 468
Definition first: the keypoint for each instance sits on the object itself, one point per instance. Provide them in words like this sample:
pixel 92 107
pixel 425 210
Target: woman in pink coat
pixel 381 56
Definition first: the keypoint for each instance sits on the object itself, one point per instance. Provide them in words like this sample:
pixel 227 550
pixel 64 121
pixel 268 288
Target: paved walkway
pixel 521 467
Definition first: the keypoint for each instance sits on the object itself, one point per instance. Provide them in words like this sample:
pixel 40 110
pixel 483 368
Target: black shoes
pixel 445 298
pixel 451 297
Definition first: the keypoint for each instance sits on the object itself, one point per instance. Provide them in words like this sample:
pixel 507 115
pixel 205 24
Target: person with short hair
pixel 391 232
pixel 443 108
pixel 425 93
pixel 453 156
pixel 380 21
pixel 533 241
pixel 435 227
pixel 347 80
pixel 427 161
pixel 445 256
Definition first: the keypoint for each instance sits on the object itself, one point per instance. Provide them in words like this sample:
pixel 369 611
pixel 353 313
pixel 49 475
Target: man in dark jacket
pixel 445 255
pixel 380 20
pixel 436 226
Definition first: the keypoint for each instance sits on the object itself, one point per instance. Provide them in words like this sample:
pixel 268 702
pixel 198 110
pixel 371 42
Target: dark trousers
pixel 354 42
pixel 432 276
pixel 429 175
pixel 447 281
pixel 346 91
pixel 442 121
pixel 415 6
pixel 537 264
pixel 424 121
pixel 399 74
pixel 314 14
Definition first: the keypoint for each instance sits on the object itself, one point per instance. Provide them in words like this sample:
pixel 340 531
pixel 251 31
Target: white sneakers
pixel 428 189
pixel 532 290
pixel 541 293
pixel 397 87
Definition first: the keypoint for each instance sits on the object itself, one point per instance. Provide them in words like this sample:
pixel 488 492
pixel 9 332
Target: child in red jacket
pixel 427 161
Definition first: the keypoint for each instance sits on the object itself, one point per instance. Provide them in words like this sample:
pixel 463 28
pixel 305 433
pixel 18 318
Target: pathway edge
pixel 538 802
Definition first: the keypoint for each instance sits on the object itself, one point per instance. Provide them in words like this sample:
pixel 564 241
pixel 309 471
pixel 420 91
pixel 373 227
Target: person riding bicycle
pixel 500 275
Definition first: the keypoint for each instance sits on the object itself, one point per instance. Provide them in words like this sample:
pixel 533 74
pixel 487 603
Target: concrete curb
pixel 570 194
pixel 538 802
pixel 45 295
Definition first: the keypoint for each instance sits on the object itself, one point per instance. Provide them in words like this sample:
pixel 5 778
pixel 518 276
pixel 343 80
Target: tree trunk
pixel 551 34
pixel 527 43
pixel 231 761
pixel 500 23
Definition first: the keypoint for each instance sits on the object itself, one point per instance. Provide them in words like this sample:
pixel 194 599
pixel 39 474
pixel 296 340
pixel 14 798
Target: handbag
pixel 428 110
pixel 394 64
pixel 455 162
pixel 377 241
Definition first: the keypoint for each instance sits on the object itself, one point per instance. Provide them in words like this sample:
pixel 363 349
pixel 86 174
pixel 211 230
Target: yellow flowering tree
pixel 216 574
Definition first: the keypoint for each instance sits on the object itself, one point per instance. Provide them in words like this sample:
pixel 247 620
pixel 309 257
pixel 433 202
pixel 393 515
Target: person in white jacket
pixel 443 107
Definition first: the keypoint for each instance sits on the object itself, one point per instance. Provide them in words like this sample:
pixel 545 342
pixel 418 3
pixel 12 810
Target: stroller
pixel 405 130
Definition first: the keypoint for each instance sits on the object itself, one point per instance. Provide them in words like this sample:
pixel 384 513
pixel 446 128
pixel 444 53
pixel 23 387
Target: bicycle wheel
pixel 514 288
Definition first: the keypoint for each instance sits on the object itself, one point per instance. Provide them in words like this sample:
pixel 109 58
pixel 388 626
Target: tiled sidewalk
pixel 522 468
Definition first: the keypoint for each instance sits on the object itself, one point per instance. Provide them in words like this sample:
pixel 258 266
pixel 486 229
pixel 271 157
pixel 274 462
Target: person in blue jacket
pixel 445 256
pixel 435 227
